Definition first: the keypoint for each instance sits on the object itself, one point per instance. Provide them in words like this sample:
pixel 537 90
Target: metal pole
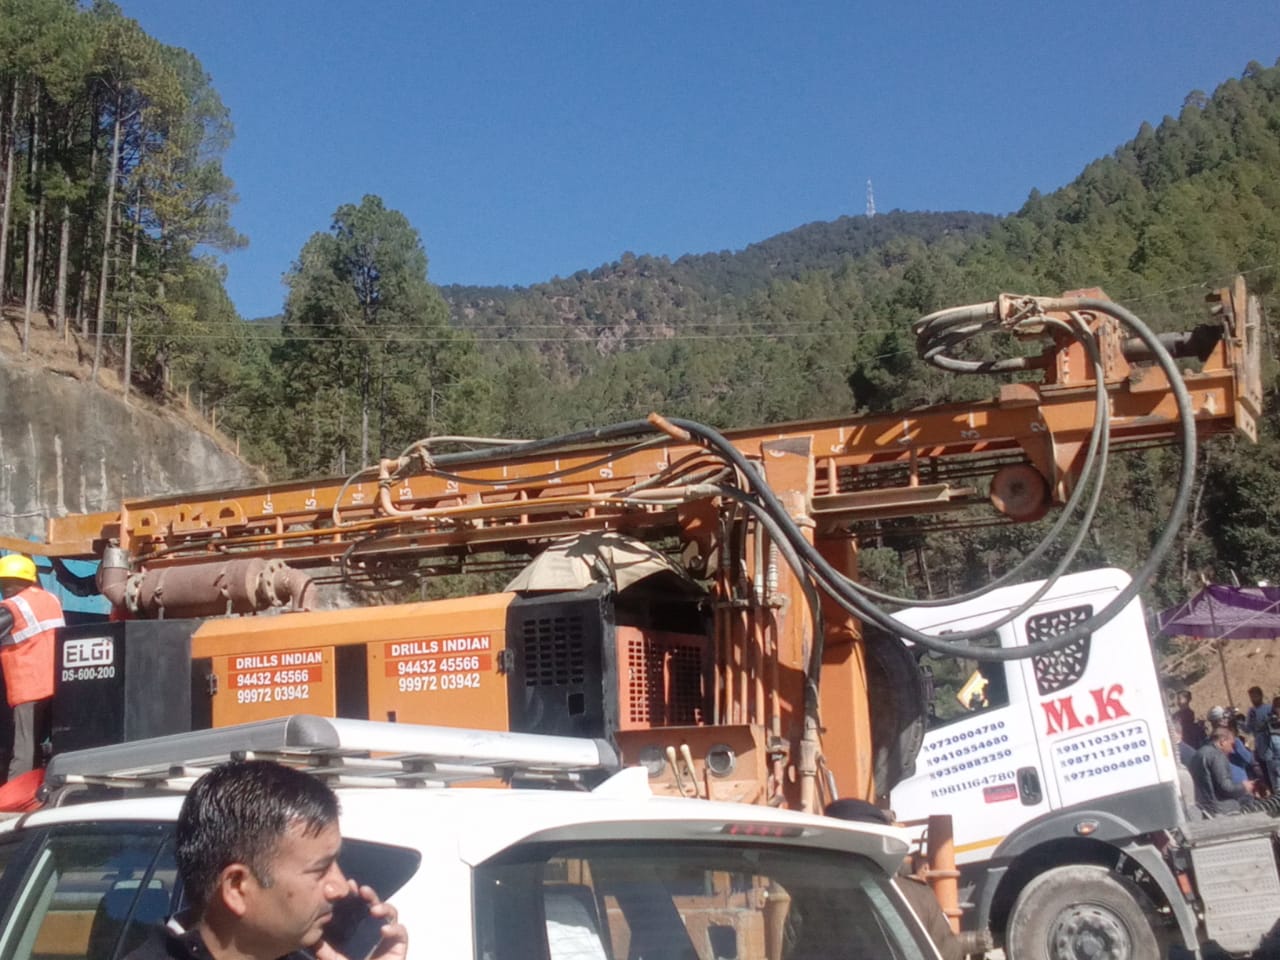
pixel 1218 642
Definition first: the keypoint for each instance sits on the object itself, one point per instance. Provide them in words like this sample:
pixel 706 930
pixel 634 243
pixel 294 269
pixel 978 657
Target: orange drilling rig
pixel 691 596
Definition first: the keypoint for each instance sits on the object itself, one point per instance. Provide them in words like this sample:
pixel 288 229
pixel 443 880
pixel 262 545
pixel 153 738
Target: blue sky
pixel 530 139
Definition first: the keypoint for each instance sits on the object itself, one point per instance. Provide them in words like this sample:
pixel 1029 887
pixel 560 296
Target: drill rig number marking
pixel 278 677
pixel 445 681
pixel 88 673
pixel 273 694
pixel 450 663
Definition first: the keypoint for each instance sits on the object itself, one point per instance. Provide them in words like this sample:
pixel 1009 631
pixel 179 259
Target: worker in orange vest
pixel 28 617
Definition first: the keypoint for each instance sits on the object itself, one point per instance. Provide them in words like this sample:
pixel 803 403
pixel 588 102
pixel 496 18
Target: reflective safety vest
pixel 27 652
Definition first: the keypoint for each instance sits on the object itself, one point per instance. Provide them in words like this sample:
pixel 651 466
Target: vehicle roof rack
pixel 346 752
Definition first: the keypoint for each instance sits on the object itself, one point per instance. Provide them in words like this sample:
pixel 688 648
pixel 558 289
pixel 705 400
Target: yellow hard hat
pixel 15 566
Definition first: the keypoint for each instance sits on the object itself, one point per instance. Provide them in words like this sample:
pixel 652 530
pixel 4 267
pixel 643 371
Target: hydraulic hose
pixel 1095 458
pixel 855 600
pixel 939 335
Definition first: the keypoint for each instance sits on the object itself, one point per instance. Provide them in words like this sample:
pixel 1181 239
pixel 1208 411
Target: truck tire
pixel 1082 911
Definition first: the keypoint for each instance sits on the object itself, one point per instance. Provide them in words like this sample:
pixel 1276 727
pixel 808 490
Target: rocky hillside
pixel 67 446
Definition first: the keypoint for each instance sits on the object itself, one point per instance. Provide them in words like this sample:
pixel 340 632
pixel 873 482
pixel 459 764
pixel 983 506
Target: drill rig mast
pixel 740 671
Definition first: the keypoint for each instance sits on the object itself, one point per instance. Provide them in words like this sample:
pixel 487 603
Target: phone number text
pixel 1104 768
pixel 273 694
pixel 1102 753
pixel 444 681
pixel 275 678
pixel 970 764
pixel 968 748
pixel 991 779
pixel 978 731
pixel 407 668
pixel 1101 739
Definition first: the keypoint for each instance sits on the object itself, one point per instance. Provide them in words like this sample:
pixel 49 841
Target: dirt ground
pixel 1248 663
pixel 70 355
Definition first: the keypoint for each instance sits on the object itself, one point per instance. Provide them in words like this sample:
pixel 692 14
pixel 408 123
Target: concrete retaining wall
pixel 70 447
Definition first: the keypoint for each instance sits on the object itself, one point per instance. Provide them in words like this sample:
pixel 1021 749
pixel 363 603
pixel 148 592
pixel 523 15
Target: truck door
pixel 1082 722
pixel 979 762
pixel 1101 724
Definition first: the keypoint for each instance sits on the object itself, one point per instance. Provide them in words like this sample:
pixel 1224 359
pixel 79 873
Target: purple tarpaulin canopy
pixel 1227 613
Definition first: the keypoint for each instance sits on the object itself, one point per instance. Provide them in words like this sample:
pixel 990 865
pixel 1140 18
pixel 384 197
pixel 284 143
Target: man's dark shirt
pixel 168 941
pixel 1185 753
pixel 1216 792
pixel 165 943
pixel 1192 730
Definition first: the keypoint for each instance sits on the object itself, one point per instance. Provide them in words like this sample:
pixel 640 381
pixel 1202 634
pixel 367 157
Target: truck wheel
pixel 1078 912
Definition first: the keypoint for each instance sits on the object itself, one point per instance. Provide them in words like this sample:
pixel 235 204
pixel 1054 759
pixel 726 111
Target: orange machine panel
pixel 664 678
pixel 452 677
pixel 435 662
pixel 274 683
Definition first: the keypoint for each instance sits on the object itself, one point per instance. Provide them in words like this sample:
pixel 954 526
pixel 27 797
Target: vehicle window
pixel 1062 668
pixel 648 901
pixel 12 848
pixel 91 894
pixel 958 687
pixel 15 852
pixel 382 866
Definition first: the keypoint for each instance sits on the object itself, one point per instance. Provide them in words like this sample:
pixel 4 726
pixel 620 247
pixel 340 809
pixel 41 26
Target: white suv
pixel 483 874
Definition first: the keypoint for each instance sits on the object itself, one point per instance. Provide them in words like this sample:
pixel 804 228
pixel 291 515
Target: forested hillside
pixel 644 297
pixel 1169 216
pixel 114 206
pixel 113 192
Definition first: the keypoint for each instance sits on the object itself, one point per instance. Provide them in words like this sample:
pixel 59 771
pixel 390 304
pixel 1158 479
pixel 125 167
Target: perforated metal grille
pixel 664 682
pixel 1060 669
pixel 554 651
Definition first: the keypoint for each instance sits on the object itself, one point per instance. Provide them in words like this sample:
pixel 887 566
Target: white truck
pixel 484 874
pixel 1059 773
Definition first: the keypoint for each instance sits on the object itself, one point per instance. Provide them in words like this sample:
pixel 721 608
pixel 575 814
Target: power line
pixel 1212 283
pixel 468 326
pixel 713 328
pixel 631 338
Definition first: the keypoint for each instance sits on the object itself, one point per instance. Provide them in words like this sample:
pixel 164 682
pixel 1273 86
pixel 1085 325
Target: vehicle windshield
pixel 647 900
pixel 86 891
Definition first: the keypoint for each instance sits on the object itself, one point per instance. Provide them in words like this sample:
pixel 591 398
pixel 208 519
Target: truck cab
pixel 1046 759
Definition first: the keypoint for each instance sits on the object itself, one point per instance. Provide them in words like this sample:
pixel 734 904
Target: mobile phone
pixel 353 931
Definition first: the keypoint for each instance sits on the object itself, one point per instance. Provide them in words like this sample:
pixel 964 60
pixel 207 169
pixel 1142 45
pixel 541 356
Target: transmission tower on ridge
pixel 871 200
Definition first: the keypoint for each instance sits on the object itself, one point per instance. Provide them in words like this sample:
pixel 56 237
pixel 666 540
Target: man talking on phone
pixel 257 852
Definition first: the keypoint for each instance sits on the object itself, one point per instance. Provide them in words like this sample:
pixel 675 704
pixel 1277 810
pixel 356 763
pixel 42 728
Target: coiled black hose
pixel 856 599
pixel 938 337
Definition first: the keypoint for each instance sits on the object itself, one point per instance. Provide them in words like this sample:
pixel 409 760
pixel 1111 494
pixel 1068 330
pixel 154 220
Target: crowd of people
pixel 1233 757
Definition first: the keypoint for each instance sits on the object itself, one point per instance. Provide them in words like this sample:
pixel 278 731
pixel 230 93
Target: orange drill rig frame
pixel 695 596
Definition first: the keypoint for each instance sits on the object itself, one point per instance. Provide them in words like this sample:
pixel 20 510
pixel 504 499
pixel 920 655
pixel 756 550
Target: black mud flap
pixel 899 710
